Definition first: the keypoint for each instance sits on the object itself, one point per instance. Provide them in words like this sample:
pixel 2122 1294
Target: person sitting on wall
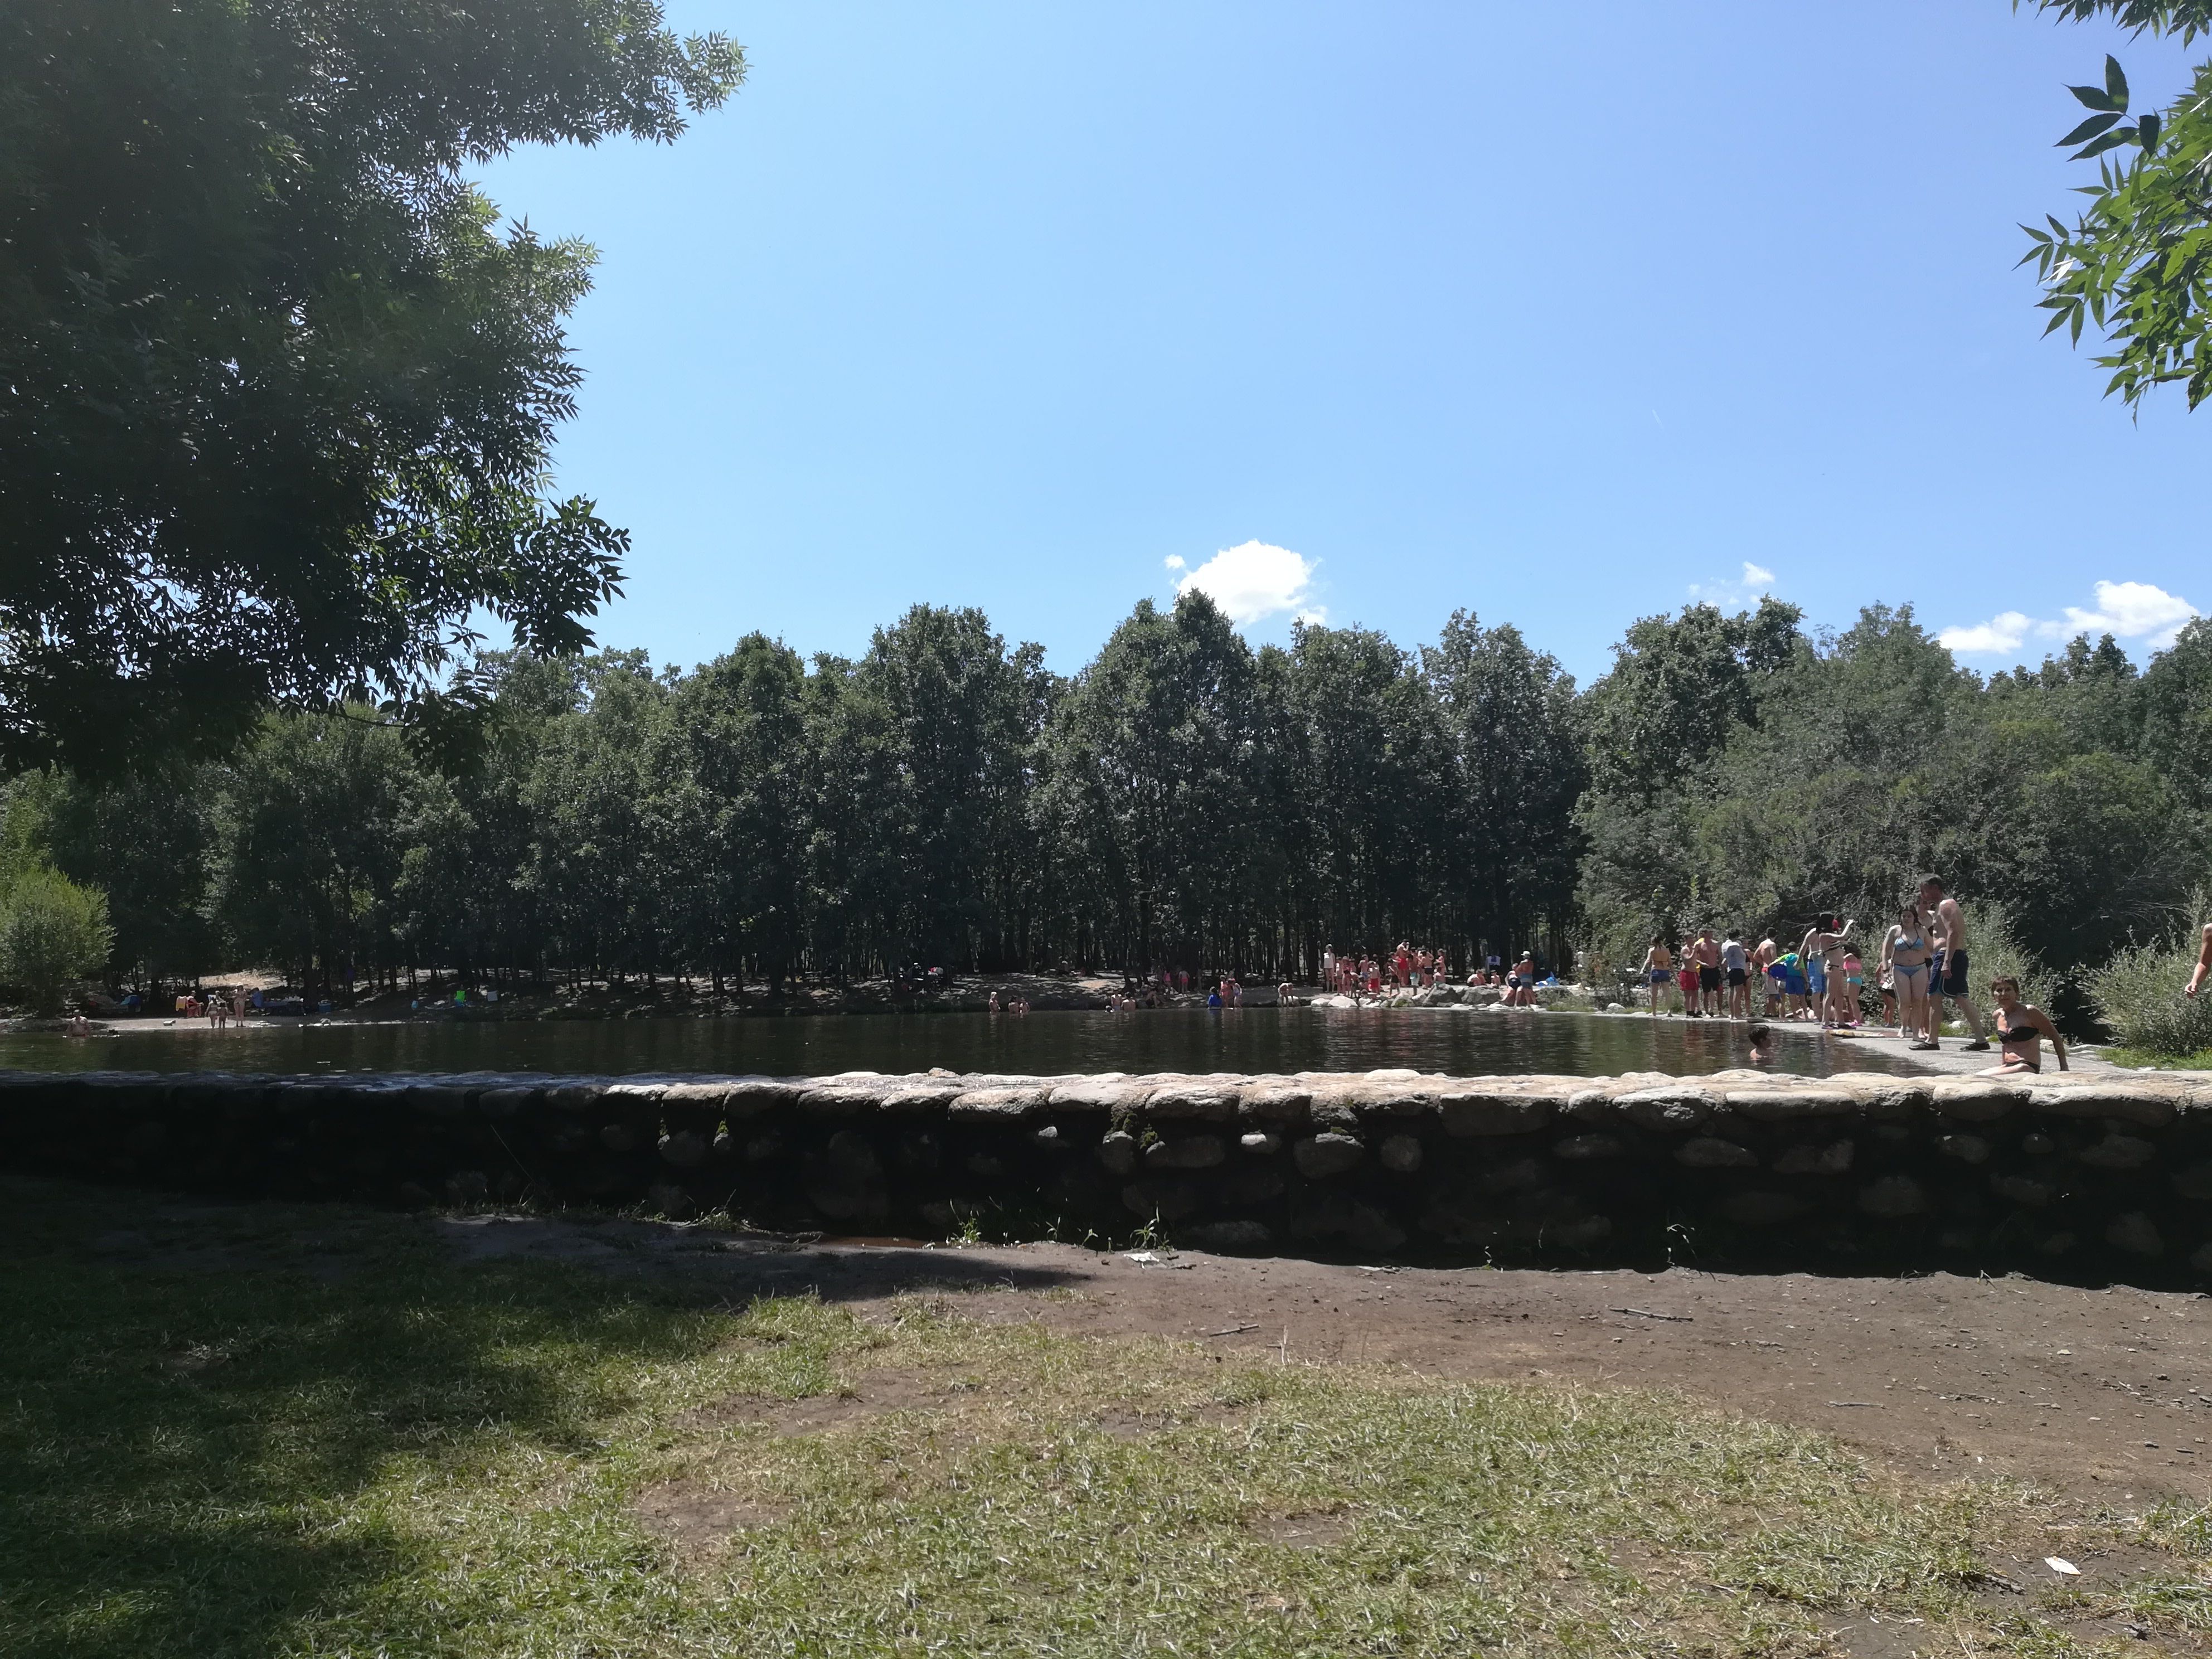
pixel 2021 1029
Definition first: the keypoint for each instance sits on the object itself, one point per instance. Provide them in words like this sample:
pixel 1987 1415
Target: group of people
pixel 1411 968
pixel 1923 959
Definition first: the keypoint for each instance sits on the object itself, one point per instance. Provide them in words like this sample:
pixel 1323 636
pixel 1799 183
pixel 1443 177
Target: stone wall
pixel 1863 1171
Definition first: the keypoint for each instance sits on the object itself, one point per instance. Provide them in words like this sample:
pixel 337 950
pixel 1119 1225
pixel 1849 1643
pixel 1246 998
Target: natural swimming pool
pixel 1470 1043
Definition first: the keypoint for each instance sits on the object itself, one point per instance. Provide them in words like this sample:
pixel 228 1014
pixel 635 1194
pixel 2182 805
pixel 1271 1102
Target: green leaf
pixel 2077 326
pixel 2056 226
pixel 2115 83
pixel 2088 130
pixel 2111 140
pixel 2037 234
pixel 2096 98
pixel 2146 132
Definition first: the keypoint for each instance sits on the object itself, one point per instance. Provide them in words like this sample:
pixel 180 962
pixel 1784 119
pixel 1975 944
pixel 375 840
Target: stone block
pixel 2023 1190
pixel 2194 1182
pixel 1790 1105
pixel 1893 1197
pixel 1710 1152
pixel 1974 1100
pixel 2117 1151
pixel 987 1106
pixel 1524 1175
pixel 1321 1155
pixel 1672 1111
pixel 1186 1152
pixel 2135 1233
pixel 1275 1104
pixel 1182 1103
pixel 1473 1112
pixel 1169 1198
pixel 1108 1094
pixel 845 1180
pixel 1253 1184
pixel 1117 1151
pixel 1835 1158
pixel 748 1097
pixel 1399 1154
pixel 686 1149
pixel 1762 1209
pixel 2147 1108
pixel 843 1099
pixel 1229 1238
pixel 1585 1147
pixel 1967 1149
pixel 1260 1143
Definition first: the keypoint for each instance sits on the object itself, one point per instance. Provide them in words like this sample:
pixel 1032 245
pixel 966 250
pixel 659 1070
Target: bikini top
pixel 2008 1035
pixel 1917 942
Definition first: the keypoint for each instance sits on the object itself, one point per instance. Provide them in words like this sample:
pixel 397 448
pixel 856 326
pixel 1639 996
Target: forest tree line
pixel 1184 799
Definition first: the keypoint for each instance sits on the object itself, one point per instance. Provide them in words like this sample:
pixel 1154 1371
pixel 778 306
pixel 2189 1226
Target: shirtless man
pixel 2204 963
pixel 1949 977
pixel 1705 951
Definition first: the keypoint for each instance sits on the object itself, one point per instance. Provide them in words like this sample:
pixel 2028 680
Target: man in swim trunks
pixel 1705 951
pixel 1735 967
pixel 1948 977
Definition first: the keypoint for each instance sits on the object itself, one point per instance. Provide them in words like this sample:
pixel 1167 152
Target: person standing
pixel 1735 967
pixel 1658 968
pixel 1905 959
pixel 1706 952
pixel 2203 962
pixel 1948 977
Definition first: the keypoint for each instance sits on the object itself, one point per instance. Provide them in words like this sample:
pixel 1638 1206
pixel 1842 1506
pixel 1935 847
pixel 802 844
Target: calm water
pixel 1249 1040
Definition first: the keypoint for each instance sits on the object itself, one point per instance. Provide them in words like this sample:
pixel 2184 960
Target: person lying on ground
pixel 2021 1029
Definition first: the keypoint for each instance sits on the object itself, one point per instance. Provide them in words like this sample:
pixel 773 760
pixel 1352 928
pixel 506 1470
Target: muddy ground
pixel 2097 1392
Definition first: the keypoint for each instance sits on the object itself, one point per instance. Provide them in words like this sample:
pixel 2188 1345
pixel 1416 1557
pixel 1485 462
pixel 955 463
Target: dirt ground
pixel 2098 1393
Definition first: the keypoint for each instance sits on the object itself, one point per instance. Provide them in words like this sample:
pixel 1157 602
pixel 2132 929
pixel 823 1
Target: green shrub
pixel 51 932
pixel 2138 995
pixel 1993 950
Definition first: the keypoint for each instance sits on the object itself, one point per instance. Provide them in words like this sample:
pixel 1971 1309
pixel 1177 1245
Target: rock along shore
pixel 2092 1175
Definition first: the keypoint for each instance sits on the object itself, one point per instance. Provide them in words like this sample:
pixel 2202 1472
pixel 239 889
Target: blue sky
pixel 1561 314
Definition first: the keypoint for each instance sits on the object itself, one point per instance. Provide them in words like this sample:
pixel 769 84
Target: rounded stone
pixel 1185 1152
pixel 1894 1196
pixel 2135 1233
pixel 1117 1151
pixel 1399 1154
pixel 1321 1155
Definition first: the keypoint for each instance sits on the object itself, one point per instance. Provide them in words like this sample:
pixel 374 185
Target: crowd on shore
pixel 1922 960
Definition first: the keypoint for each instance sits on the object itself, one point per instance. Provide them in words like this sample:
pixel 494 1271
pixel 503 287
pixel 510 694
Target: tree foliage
pixel 2137 259
pixel 276 401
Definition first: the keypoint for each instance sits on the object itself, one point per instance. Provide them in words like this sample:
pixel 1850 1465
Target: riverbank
pixel 480 1434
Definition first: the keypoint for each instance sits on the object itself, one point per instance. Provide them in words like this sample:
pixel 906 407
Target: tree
pixel 2137 261
pixel 51 932
pixel 276 404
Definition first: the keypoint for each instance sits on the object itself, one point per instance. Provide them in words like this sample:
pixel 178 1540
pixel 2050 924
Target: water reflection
pixel 1464 1044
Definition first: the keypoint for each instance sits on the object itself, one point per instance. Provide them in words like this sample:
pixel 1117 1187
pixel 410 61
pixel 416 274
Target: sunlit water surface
pixel 1460 1043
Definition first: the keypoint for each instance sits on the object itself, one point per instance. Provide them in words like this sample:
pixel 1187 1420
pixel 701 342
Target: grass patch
pixel 2199 1062
pixel 267 1431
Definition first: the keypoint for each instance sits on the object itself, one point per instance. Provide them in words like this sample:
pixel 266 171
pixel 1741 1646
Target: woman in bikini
pixel 1658 968
pixel 2021 1030
pixel 1905 955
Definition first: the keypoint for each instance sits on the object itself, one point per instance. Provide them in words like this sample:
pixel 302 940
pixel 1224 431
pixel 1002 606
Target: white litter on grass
pixel 1142 1258
pixel 2060 1563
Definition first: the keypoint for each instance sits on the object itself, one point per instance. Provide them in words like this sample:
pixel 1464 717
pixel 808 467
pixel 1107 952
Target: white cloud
pixel 1253 581
pixel 2127 611
pixel 1756 579
pixel 2131 611
pixel 1999 634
